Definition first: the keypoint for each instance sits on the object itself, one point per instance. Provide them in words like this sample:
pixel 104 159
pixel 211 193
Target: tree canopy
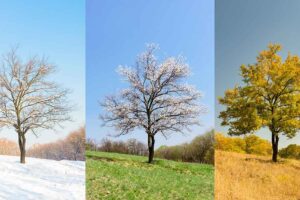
pixel 29 100
pixel 269 97
pixel 156 100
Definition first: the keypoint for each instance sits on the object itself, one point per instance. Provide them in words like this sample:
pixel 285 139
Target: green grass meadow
pixel 119 176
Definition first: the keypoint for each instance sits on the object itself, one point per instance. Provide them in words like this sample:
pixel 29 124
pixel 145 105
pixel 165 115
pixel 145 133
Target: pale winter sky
pixel 117 32
pixel 55 29
pixel 243 29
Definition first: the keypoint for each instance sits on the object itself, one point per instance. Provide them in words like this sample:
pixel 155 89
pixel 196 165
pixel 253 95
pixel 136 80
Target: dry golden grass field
pixel 250 177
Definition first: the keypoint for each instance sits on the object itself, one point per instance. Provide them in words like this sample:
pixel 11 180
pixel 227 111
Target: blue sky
pixel 243 29
pixel 55 29
pixel 117 31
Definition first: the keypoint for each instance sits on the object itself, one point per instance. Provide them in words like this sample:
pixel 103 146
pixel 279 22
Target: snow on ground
pixel 41 179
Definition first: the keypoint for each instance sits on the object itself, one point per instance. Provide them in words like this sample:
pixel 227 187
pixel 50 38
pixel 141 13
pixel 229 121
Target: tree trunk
pixel 275 140
pixel 151 143
pixel 22 145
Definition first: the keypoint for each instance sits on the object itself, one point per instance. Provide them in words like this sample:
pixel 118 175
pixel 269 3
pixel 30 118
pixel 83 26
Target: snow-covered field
pixel 41 179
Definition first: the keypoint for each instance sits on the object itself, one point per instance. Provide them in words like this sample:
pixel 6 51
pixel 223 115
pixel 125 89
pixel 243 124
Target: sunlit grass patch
pixel 247 177
pixel 119 176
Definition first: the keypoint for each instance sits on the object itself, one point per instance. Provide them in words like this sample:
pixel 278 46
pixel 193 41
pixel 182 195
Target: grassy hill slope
pixel 249 177
pixel 120 176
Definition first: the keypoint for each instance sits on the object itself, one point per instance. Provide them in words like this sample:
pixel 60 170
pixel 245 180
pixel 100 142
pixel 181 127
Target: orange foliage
pixel 8 147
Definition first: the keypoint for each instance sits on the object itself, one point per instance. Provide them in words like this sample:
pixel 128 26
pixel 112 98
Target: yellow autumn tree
pixel 269 97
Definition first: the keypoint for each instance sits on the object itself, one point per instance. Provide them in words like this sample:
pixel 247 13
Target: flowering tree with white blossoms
pixel 156 100
pixel 28 101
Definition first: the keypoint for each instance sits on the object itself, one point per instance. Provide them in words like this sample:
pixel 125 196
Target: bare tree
pixel 28 99
pixel 156 100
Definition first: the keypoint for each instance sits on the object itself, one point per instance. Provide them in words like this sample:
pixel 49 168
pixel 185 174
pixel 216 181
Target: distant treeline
pixel 8 147
pixel 131 146
pixel 200 150
pixel 291 151
pixel 70 148
pixel 253 144
pixel 250 144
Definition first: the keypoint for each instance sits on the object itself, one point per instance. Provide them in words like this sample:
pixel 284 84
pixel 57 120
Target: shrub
pixel 291 151
pixel 250 144
pixel 229 144
pixel 258 146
